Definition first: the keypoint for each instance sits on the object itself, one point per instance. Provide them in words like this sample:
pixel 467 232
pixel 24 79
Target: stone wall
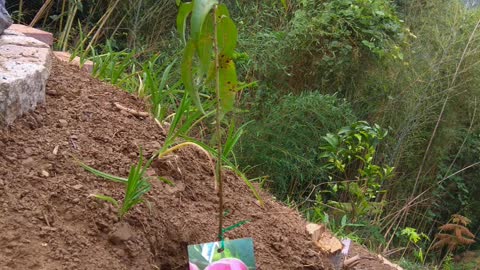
pixel 24 69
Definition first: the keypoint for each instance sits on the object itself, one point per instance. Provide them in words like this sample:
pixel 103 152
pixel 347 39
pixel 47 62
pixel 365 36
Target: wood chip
pixel 324 239
pixel 387 262
pixel 131 111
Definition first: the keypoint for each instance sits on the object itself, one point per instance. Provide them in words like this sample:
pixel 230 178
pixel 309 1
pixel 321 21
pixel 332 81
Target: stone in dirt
pixel 5 20
pixel 24 69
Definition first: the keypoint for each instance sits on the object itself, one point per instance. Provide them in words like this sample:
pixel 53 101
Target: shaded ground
pixel 49 222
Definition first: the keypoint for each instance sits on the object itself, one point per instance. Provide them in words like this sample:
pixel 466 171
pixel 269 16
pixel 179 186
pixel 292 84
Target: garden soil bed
pixel 49 221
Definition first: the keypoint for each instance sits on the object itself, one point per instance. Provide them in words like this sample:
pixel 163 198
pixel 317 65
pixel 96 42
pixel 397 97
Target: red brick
pixel 65 57
pixel 37 34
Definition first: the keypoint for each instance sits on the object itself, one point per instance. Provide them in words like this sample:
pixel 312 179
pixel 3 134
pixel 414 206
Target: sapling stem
pixel 218 116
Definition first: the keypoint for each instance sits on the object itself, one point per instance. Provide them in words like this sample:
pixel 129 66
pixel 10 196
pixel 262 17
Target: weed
pixel 136 186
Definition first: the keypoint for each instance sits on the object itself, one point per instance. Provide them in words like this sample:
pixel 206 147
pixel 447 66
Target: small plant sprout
pixel 136 186
pixel 414 238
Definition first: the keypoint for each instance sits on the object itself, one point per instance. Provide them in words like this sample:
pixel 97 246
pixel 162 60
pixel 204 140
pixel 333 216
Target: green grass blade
pixel 105 198
pixel 101 174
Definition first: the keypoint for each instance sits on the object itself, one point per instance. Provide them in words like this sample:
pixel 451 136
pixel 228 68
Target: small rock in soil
pixel 28 150
pixel 121 234
pixel 62 123
pixel 78 187
pixel 28 161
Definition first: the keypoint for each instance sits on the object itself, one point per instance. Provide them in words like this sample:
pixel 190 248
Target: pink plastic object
pixel 227 264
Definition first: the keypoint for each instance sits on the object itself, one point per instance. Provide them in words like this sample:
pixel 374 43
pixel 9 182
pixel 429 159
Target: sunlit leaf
pixel 201 8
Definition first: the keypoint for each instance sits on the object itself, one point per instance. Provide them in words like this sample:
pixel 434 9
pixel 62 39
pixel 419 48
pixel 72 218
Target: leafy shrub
pixel 284 143
pixel 355 179
pixel 324 41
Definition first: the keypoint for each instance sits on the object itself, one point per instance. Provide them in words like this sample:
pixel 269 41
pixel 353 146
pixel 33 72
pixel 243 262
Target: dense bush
pixel 284 143
pixel 324 41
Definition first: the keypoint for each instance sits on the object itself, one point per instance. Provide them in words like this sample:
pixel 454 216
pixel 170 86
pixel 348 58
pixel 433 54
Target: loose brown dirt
pixel 48 220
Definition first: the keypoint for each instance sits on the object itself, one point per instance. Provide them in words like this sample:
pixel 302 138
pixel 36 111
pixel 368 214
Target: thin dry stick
pixel 46 6
pixel 102 22
pixel 218 169
pixel 131 111
pixel 64 4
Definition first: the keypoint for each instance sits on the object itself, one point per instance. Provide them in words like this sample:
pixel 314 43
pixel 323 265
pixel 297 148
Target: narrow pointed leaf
pixel 201 8
pixel 165 75
pixel 228 84
pixel 205 46
pixel 183 12
pixel 187 74
pixel 105 198
pixel 227 35
pixel 102 174
pixel 222 10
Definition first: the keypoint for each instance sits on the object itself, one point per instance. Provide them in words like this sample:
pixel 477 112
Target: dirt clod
pixel 122 234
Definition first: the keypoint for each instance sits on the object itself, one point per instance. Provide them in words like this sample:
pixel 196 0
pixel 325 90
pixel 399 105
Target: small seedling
pixel 136 186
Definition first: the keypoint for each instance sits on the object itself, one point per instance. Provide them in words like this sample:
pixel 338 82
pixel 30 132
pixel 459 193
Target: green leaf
pixel 165 75
pixel 284 3
pixel 166 181
pixel 331 139
pixel 107 176
pixel 205 46
pixel 227 35
pixel 343 222
pixel 222 10
pixel 201 8
pixel 105 198
pixel 228 84
pixel 183 12
pixel 187 74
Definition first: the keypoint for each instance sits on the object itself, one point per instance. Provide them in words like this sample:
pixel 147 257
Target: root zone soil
pixel 49 221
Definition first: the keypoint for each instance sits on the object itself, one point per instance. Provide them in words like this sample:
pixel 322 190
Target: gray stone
pixel 5 20
pixel 24 69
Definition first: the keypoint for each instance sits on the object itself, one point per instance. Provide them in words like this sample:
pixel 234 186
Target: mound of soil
pixel 49 221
